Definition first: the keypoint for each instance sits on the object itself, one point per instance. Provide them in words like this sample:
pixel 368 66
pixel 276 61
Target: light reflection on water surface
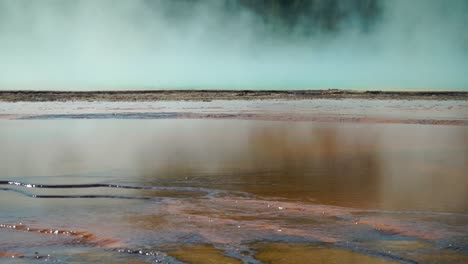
pixel 235 187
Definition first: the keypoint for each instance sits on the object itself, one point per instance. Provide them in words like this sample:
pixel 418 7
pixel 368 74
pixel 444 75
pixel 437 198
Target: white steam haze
pixel 137 44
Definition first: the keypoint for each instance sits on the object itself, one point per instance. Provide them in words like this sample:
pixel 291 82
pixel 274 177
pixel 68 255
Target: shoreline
pixel 421 112
pixel 210 95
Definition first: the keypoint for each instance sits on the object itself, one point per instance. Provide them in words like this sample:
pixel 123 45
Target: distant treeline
pixel 321 14
pixel 308 15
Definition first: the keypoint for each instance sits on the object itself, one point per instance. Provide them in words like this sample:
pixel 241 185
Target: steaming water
pixel 140 44
pixel 229 191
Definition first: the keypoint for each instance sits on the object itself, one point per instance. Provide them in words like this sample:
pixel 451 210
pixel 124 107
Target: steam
pixel 86 44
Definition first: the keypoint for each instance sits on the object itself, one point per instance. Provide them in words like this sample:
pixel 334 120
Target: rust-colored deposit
pixel 79 237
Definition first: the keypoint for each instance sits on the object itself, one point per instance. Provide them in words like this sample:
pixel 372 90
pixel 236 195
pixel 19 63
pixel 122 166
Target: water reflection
pixel 395 167
pixel 223 186
pixel 317 163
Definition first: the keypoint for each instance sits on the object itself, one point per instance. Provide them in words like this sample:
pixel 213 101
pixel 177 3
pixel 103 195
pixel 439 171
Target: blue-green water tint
pixel 232 184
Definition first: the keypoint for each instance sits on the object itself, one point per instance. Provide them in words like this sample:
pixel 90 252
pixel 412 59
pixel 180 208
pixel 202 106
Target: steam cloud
pixel 227 44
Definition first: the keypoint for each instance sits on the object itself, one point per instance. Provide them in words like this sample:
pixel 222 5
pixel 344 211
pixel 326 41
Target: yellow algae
pixel 202 254
pixel 279 253
pixel 446 256
pixel 400 245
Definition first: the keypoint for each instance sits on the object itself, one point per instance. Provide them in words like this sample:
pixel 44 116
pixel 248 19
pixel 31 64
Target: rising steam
pixel 228 44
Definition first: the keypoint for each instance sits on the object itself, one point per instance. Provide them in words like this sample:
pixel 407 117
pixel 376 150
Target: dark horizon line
pixel 254 90
pixel 223 94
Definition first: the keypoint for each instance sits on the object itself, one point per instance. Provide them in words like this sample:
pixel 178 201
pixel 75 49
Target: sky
pixel 220 44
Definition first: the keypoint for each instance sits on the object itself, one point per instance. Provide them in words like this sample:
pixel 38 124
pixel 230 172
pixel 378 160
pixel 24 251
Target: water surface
pixel 232 191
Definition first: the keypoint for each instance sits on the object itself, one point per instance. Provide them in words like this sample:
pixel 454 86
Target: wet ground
pixel 170 190
pixel 432 112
